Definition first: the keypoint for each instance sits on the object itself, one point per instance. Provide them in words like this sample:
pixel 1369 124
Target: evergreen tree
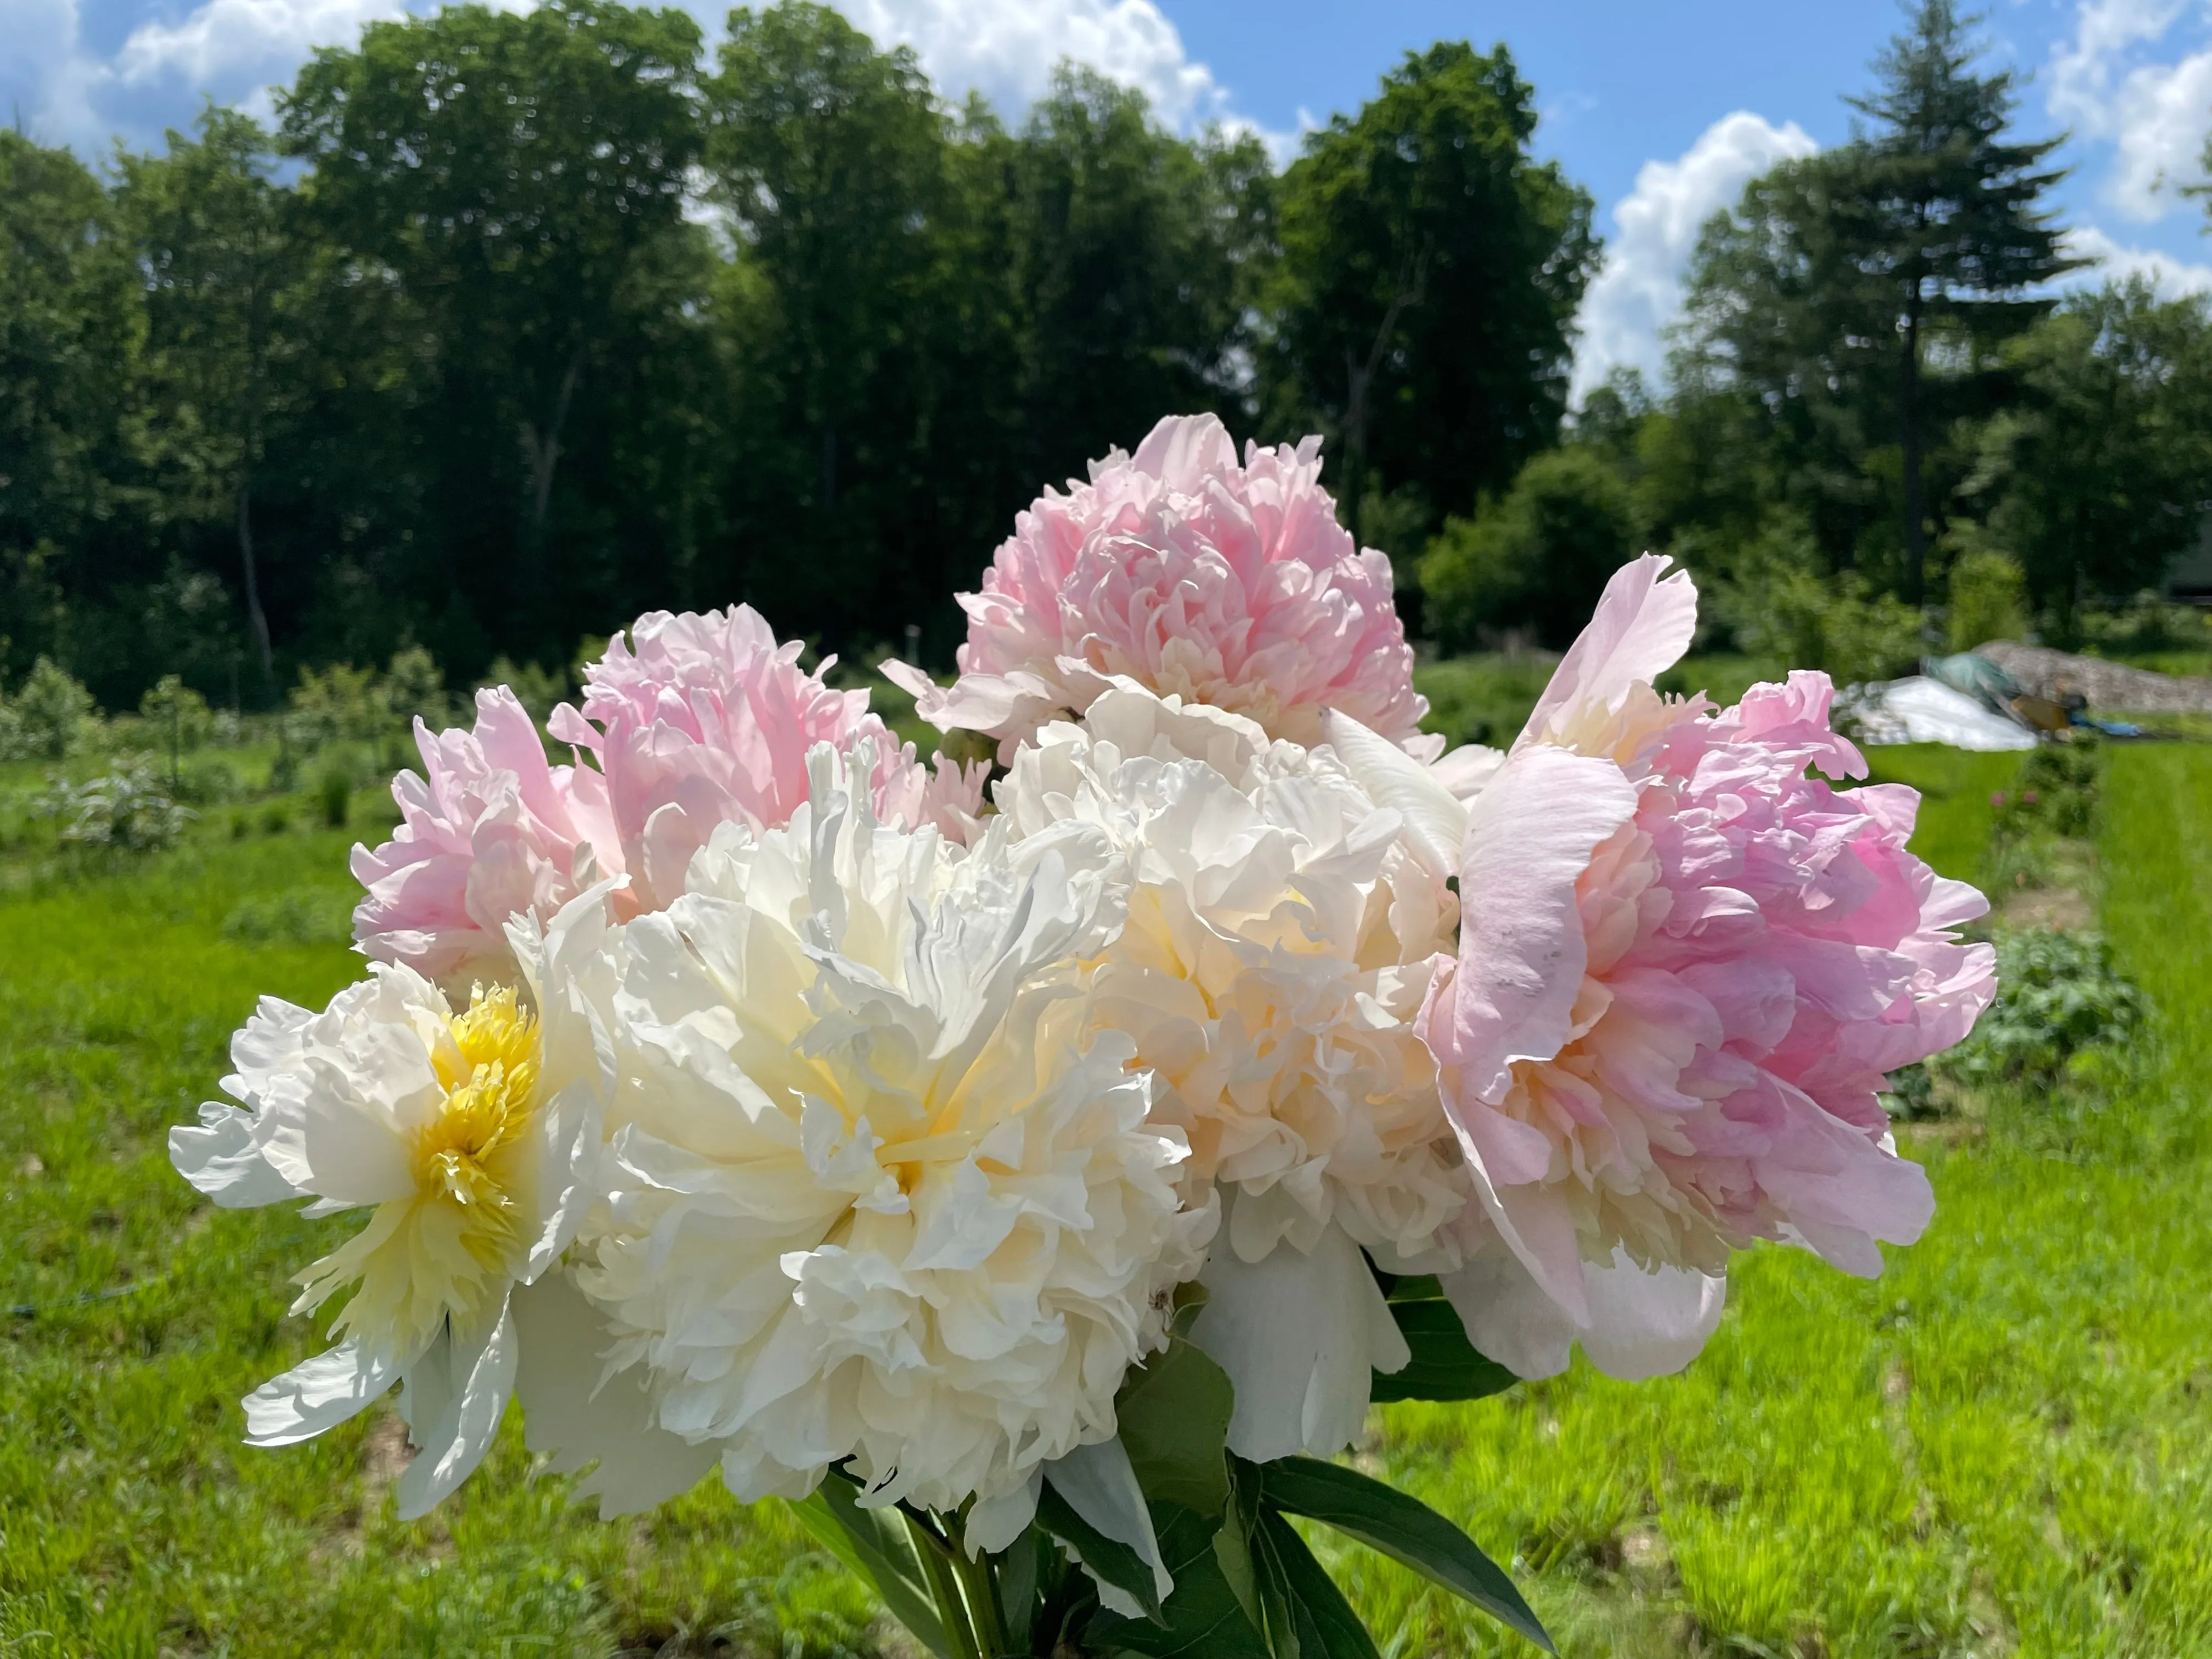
pixel 1946 212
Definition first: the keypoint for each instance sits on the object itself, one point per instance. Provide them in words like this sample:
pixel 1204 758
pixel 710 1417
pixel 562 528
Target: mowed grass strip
pixel 132 1520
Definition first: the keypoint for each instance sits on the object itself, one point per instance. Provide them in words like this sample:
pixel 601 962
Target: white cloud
pixel 2107 82
pixel 1656 228
pixel 225 42
pixel 2171 277
pixel 1006 49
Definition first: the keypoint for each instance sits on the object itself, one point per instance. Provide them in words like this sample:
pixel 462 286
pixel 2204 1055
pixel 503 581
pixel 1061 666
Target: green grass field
pixel 2004 1446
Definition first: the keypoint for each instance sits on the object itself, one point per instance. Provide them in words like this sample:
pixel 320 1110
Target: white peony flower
pixel 468 1136
pixel 1279 940
pixel 881 1189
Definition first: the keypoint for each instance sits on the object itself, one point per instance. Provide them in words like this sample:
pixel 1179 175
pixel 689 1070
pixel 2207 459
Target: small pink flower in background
pixel 2027 797
pixel 1997 799
pixel 1685 967
pixel 1176 568
pixel 700 720
pixel 490 830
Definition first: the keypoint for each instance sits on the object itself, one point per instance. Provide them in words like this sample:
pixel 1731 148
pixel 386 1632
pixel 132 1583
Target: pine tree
pixel 1950 220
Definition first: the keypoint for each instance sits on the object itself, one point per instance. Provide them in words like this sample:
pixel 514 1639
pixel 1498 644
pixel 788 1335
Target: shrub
pixel 1537 559
pixel 1785 610
pixel 177 717
pixel 414 687
pixel 535 688
pixel 2056 792
pixel 2058 995
pixel 126 809
pixel 334 794
pixel 54 715
pixel 1988 600
pixel 338 701
pixel 2060 1001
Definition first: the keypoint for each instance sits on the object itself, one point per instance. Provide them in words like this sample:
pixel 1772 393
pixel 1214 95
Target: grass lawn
pixel 2004 1446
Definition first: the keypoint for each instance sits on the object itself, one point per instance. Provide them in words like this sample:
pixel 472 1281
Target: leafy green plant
pixel 126 809
pixel 2058 994
pixel 1779 607
pixel 53 716
pixel 1989 599
pixel 334 793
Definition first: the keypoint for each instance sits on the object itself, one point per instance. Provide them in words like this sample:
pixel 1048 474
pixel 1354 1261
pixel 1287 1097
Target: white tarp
pixel 1922 710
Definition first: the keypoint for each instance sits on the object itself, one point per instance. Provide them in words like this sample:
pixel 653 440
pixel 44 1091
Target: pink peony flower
pixel 1226 584
pixel 1685 967
pixel 490 830
pixel 697 720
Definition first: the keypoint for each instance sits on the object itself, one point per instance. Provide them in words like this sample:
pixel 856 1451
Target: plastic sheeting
pixel 1924 710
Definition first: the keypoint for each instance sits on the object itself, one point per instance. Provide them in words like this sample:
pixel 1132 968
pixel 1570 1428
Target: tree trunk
pixel 1915 530
pixel 1359 380
pixel 544 453
pixel 255 615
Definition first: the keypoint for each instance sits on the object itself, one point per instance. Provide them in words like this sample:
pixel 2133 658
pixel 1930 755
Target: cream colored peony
pixel 882 1189
pixel 469 1137
pixel 1279 942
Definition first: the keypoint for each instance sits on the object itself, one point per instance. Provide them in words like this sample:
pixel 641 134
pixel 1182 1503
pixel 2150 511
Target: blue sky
pixel 1662 110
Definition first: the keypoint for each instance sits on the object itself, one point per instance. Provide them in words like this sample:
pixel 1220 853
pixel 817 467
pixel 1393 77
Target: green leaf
pixel 1404 1528
pixel 1325 1624
pixel 1204 1618
pixel 1445 1365
pixel 1109 1559
pixel 874 1544
pixel 1018 1585
pixel 1173 1415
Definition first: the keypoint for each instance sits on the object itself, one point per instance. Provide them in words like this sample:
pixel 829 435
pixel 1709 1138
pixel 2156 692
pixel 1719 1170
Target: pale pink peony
pixel 697 720
pixel 490 830
pixel 1685 967
pixel 1176 568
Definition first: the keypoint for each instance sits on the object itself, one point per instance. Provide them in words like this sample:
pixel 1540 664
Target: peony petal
pixel 1435 819
pixel 573 1419
pixel 1642 627
pixel 316 1394
pixel 1529 838
pixel 1299 1334
pixel 219 1158
pixel 995 1523
pixel 1640 1323
pixel 1099 1486
pixel 465 1383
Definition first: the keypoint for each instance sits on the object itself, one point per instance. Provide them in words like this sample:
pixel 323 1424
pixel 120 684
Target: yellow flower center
pixel 489 1078
pixel 444 1251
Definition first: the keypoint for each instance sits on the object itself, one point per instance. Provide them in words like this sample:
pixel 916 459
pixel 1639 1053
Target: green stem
pixel 975 1577
pixel 944 1586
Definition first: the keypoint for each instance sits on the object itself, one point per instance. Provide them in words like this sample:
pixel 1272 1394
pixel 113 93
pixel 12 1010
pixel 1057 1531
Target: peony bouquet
pixel 1034 1179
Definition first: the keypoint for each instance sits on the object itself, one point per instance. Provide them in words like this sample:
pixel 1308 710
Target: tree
pixel 2102 473
pixel 516 175
pixel 1950 215
pixel 210 229
pixel 870 316
pixel 1536 558
pixel 69 337
pixel 1430 273
pixel 1135 260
